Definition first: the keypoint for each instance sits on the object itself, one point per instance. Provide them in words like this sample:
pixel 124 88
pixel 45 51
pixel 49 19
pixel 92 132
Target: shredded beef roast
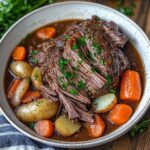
pixel 83 63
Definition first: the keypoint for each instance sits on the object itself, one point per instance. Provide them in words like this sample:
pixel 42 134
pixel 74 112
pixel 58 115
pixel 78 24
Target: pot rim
pixel 89 143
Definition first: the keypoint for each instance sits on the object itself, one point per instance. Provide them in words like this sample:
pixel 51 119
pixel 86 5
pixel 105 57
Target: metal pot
pixel 74 10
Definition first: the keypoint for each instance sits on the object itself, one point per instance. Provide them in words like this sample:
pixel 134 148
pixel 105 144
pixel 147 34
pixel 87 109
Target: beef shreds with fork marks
pixel 82 64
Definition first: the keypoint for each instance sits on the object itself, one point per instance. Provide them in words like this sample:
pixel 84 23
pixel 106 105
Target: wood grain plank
pixel 142 14
pixel 147 24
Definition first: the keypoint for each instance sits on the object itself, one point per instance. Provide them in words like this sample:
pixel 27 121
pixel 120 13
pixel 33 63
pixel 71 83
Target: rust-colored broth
pixel 129 50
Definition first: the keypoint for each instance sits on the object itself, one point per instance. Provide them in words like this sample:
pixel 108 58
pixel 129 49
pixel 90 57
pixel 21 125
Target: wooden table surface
pixel 142 141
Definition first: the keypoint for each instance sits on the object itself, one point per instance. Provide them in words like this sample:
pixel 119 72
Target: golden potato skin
pixel 20 92
pixel 21 69
pixel 66 127
pixel 37 110
pixel 36 78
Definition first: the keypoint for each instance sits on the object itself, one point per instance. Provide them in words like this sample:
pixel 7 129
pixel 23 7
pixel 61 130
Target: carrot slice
pixel 19 53
pixel 96 129
pixel 120 114
pixel 44 128
pixel 12 88
pixel 131 88
pixel 30 96
pixel 46 33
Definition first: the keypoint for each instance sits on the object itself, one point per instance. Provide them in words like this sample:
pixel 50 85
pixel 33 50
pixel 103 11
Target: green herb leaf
pixel 81 41
pixel 67 37
pixel 33 52
pixel 69 75
pixel 101 61
pixel 12 10
pixel 31 125
pixel 64 86
pixel 139 128
pixel 128 11
pixel 113 91
pixel 97 47
pixel 36 76
pixel 81 55
pixel 109 79
pixel 62 63
pixel 89 55
pixel 73 91
pixel 81 85
pixel 75 47
pixel 33 60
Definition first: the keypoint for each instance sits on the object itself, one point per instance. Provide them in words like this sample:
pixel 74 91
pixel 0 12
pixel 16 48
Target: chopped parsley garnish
pixel 70 75
pixel 94 69
pixel 81 41
pixel 33 60
pixel 101 61
pixel 89 55
pixel 97 47
pixel 80 62
pixel 76 68
pixel 73 91
pixel 36 76
pixel 67 37
pixel 109 79
pixel 75 47
pixel 81 55
pixel 112 91
pixel 81 85
pixel 62 63
pixel 31 125
pixel 33 52
pixel 64 86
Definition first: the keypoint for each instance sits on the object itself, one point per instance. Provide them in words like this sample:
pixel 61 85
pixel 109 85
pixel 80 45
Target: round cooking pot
pixel 74 10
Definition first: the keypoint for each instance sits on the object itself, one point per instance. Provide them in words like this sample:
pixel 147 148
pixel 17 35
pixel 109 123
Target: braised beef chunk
pixel 83 63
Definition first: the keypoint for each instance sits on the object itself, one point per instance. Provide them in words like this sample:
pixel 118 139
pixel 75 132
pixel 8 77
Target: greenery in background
pixel 127 10
pixel 12 10
pixel 139 128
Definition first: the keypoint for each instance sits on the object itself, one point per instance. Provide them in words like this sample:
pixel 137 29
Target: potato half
pixel 37 110
pixel 66 127
pixel 21 69
pixel 20 92
pixel 104 103
pixel 36 78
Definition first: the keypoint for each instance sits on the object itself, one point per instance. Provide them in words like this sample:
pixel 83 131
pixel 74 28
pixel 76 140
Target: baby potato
pixel 66 127
pixel 21 69
pixel 36 78
pixel 37 110
pixel 20 92
pixel 104 103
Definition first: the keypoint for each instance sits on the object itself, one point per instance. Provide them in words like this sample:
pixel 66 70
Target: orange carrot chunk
pixel 19 53
pixel 130 89
pixel 120 114
pixel 46 33
pixel 96 129
pixel 12 88
pixel 44 128
pixel 30 96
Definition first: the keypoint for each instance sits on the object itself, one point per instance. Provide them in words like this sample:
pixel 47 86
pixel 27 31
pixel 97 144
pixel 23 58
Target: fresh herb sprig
pixel 12 10
pixel 127 10
pixel 139 128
